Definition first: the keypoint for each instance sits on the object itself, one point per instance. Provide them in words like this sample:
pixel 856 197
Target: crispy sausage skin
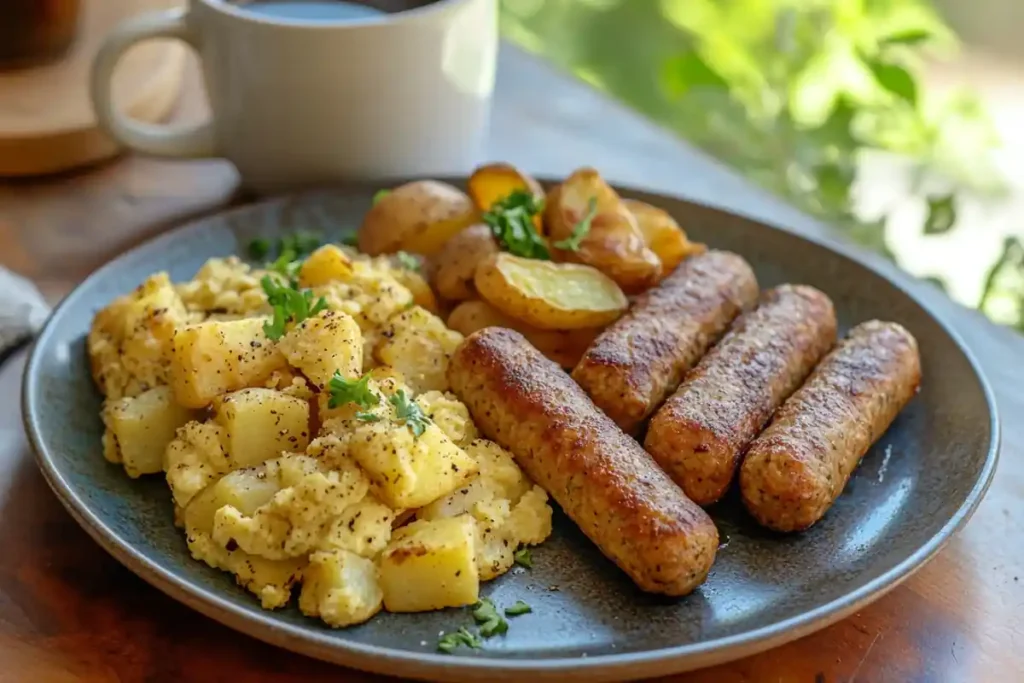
pixel 601 477
pixel 799 465
pixel 640 359
pixel 701 431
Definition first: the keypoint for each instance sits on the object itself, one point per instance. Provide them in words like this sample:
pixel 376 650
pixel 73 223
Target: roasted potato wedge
pixel 662 234
pixel 565 347
pixel 455 265
pixel 417 217
pixel 549 296
pixel 493 182
pixel 614 244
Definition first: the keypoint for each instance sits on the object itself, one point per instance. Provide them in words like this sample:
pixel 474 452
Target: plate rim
pixel 437 666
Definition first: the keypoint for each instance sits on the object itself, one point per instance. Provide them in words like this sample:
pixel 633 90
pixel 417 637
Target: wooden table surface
pixel 70 613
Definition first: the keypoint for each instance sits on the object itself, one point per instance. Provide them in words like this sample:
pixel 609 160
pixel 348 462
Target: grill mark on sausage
pixel 698 436
pixel 640 359
pixel 600 476
pixel 798 466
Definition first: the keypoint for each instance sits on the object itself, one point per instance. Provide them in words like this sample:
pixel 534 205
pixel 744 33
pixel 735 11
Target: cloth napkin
pixel 22 311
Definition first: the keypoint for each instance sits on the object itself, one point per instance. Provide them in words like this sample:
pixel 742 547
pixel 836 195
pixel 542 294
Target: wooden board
pixel 46 118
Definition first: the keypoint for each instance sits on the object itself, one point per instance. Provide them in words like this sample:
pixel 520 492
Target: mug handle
pixel 191 141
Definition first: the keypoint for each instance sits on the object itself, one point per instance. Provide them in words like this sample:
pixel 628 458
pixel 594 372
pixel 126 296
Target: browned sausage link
pixel 797 467
pixel 640 359
pixel 601 477
pixel 700 432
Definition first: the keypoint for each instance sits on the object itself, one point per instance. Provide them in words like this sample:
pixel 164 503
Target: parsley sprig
pixel 290 304
pixel 408 411
pixel 523 558
pixel 511 221
pixel 580 230
pixel 407 261
pixel 518 609
pixel 356 391
pixel 463 636
pixel 288 252
pixel 491 622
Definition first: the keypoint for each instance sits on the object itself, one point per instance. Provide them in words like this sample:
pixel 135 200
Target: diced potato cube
pixel 260 424
pixel 246 490
pixel 451 415
pixel 410 471
pixel 326 264
pixel 507 509
pixel 213 358
pixel 324 344
pixel 417 343
pixel 430 565
pixel 140 428
pixel 311 493
pixel 270 580
pixel 341 588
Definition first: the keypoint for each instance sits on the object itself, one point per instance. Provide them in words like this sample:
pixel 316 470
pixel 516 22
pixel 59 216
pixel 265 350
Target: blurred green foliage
pixel 791 92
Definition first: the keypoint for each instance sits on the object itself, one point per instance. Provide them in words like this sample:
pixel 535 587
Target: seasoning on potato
pixel 418 217
pixel 662 234
pixel 321 427
pixel 549 296
pixel 612 242
pixel 455 265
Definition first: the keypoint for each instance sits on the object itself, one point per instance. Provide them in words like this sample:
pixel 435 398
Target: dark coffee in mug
pixel 36 31
pixel 333 11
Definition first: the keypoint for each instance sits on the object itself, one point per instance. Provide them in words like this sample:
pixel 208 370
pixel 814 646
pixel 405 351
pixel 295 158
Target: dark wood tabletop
pixel 70 613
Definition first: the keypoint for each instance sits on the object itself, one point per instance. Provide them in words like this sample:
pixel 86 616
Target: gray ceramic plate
pixel 913 490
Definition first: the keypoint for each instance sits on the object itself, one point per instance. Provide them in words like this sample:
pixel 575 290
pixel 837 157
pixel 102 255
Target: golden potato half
pixel 417 217
pixel 549 296
pixel 662 234
pixel 455 265
pixel 493 182
pixel 614 243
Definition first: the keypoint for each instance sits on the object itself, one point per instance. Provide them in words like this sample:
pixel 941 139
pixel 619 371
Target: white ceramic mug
pixel 307 102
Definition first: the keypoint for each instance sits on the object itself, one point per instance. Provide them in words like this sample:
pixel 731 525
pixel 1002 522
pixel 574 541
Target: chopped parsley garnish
pixel 287 252
pixel 511 221
pixel 491 622
pixel 259 248
pixel 352 391
pixel 379 195
pixel 581 230
pixel 518 609
pixel 408 261
pixel 290 304
pixel 368 417
pixel 463 636
pixel 286 264
pixel 523 558
pixel 409 411
pixel 301 243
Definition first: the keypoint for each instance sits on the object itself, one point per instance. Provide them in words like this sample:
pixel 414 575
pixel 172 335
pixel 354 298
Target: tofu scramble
pixel 307 435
